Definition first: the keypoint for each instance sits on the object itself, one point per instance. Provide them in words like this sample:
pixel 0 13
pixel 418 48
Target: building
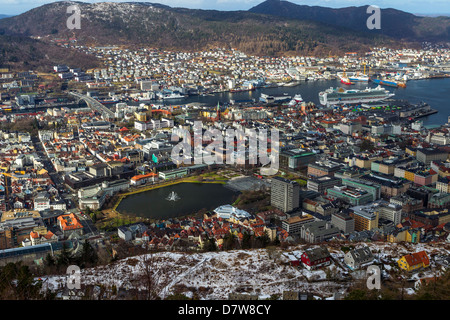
pixel 42 237
pixel 316 258
pixel 293 225
pixel 423 194
pixel 321 184
pixel 414 261
pixel 366 217
pixel 407 203
pixel 296 159
pixel 443 185
pixel 318 231
pixel 324 168
pixel 143 179
pixel 343 222
pixel 173 174
pixel 426 155
pixel 431 217
pixel 390 212
pixel 354 259
pixel 229 212
pixel 439 201
pixel 131 231
pixel 70 224
pixel 389 186
pixel 405 233
pixel 285 194
pixel 372 188
pixel 14 231
pixel 319 205
pixel 94 197
pixel 350 195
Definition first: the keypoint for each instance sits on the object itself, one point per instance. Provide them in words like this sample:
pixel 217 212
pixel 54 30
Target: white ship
pixel 172 96
pixel 339 96
pixel 296 100
pixel 359 78
pixel 164 95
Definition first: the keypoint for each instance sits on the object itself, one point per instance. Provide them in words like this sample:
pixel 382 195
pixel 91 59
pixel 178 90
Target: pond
pixel 191 198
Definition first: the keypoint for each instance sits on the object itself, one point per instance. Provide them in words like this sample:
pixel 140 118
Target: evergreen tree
pixel 65 258
pixel 210 245
pixel 228 241
pixel 49 260
pixel 17 283
pixel 88 255
pixel 246 241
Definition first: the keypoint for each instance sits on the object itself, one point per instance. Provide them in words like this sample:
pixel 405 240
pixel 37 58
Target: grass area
pixel 111 220
pixel 301 182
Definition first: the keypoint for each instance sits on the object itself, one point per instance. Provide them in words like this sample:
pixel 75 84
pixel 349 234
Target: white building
pixel 228 211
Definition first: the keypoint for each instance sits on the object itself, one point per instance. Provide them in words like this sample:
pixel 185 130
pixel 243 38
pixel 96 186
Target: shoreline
pixel 161 185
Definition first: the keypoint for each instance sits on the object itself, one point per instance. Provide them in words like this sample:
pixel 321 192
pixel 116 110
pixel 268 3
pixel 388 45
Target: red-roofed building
pixel 143 179
pixel 414 261
pixel 69 223
pixel 37 238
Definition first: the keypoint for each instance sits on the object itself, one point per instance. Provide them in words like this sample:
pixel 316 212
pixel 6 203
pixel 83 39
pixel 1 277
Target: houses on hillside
pixel 414 261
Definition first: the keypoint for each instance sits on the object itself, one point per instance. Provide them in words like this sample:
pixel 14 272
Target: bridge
pixel 94 105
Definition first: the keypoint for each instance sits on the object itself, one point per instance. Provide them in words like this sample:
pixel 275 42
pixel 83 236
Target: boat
pixel 360 77
pixel 345 79
pixel 389 83
pixel 296 100
pixel 292 84
pixel 168 96
pixel 339 96
pixel 274 98
pixel 242 89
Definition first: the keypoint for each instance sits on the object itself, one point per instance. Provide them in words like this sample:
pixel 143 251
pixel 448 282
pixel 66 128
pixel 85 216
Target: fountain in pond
pixel 173 196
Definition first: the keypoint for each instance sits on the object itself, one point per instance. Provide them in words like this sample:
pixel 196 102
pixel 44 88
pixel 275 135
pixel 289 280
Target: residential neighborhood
pixel 219 175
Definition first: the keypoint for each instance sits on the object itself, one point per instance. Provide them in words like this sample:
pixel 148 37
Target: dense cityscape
pixel 89 176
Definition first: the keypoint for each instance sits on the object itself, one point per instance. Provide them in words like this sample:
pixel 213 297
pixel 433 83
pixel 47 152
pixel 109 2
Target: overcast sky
pixel 13 7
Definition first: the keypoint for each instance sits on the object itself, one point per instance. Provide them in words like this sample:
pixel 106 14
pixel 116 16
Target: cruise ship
pixel 342 96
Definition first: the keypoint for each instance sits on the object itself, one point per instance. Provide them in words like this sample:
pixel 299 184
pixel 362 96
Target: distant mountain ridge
pixel 154 25
pixel 394 23
pixel 4 16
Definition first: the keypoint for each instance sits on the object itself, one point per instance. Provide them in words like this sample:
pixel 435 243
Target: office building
pixel 285 194
pixel 343 222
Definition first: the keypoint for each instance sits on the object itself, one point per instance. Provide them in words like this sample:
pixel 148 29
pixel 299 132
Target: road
pixel 59 183
pixel 95 105
pixel 54 175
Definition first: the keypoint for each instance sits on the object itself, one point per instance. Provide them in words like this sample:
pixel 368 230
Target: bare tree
pixel 153 273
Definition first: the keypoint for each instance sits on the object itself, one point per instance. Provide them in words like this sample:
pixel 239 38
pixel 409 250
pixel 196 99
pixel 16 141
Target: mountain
pixel 153 25
pixel 4 16
pixel 394 23
pixel 24 53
